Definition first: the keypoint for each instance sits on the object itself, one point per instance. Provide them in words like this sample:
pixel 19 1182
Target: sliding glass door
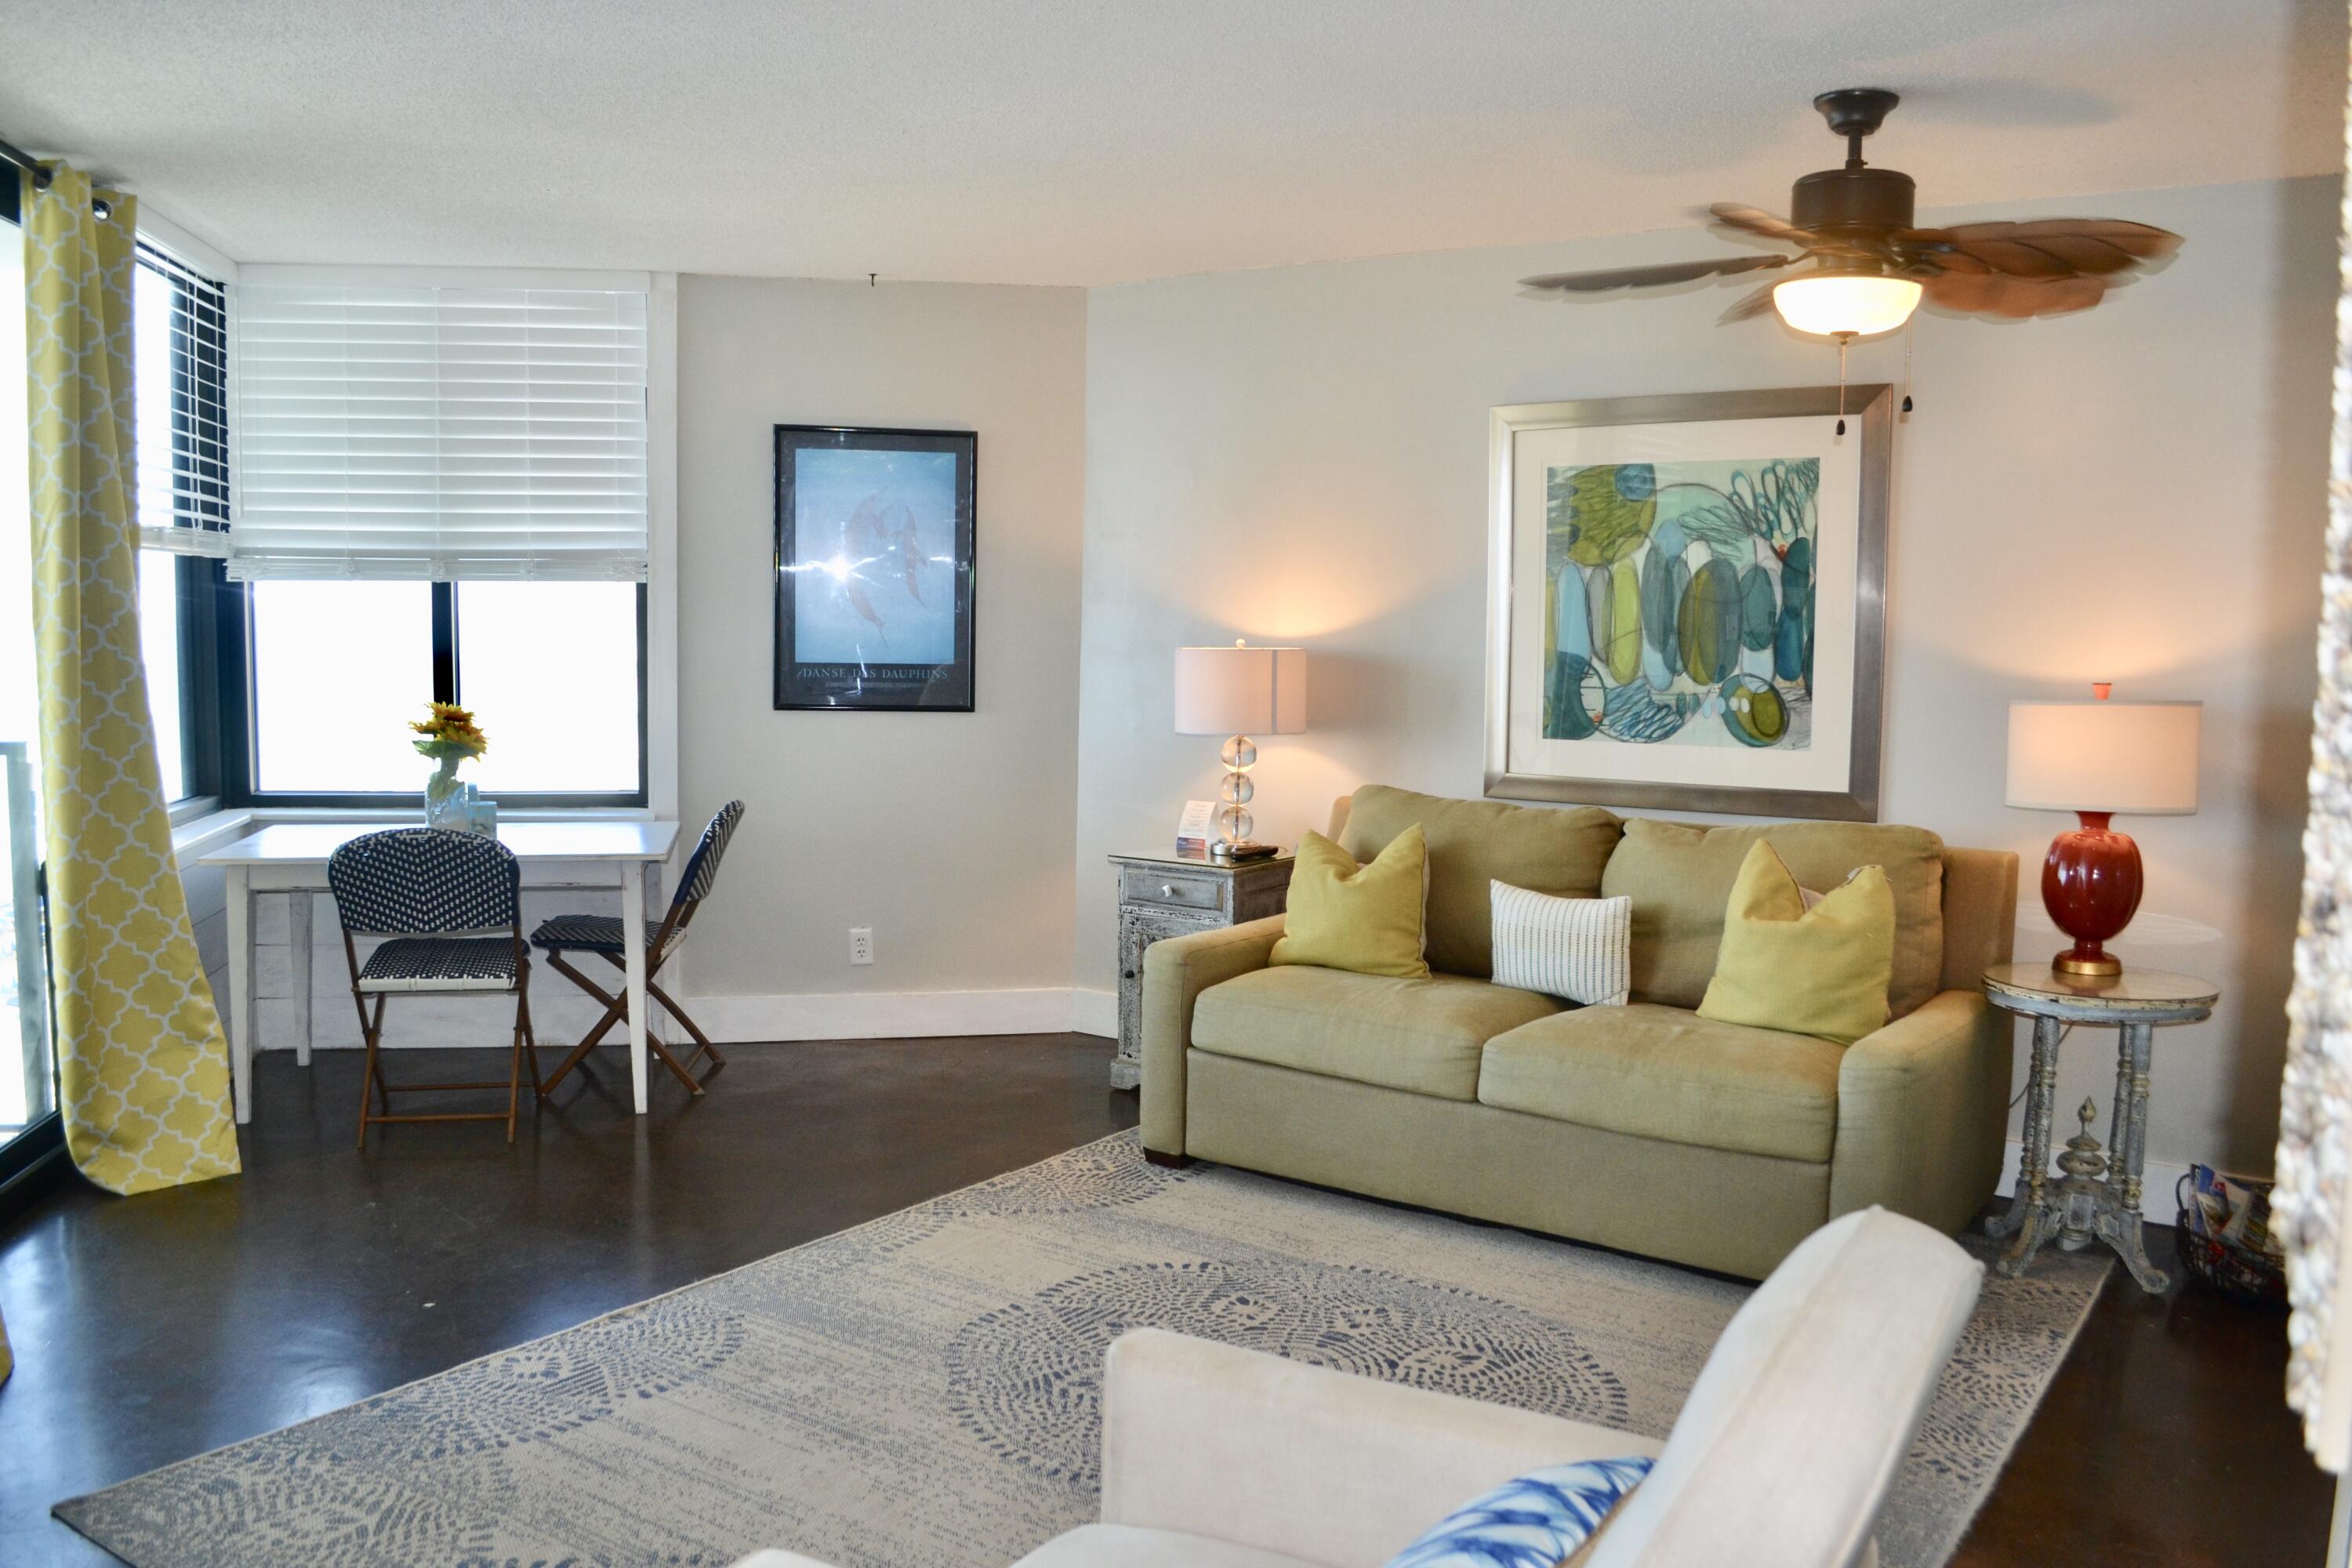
pixel 28 1124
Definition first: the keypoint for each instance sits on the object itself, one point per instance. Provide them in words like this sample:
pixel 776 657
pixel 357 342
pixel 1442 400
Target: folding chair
pixel 601 934
pixel 438 895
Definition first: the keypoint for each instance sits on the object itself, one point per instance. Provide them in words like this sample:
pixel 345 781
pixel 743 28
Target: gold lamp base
pixel 2106 967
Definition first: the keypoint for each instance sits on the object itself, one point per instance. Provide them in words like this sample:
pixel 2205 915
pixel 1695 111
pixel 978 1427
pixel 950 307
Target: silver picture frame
pixel 1869 412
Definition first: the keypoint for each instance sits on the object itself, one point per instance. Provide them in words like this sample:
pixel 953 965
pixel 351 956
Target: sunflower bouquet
pixel 450 735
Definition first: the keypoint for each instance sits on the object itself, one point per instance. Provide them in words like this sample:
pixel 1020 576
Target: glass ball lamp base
pixel 1235 823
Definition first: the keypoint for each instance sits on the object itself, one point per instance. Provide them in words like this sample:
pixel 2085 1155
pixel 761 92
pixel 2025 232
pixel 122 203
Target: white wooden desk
pixel 291 857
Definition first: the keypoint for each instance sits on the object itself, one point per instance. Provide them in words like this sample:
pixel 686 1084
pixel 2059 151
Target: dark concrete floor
pixel 151 1329
pixel 2164 1442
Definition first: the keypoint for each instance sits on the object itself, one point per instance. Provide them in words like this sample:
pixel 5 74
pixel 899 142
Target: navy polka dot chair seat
pixel 583 933
pixel 601 935
pixel 431 894
pixel 441 964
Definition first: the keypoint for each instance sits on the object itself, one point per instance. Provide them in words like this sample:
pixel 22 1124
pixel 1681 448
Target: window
pixel 442 493
pixel 29 1130
pixel 339 669
pixel 179 325
pixel 552 668
pixel 159 646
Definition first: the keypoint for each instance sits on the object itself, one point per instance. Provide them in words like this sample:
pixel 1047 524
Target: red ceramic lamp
pixel 2099 759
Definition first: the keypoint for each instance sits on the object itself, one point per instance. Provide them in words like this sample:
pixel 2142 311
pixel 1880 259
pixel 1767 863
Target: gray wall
pixel 948 834
pixel 2135 494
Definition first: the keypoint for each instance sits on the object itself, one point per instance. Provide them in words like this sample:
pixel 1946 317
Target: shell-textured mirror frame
pixel 2315 1148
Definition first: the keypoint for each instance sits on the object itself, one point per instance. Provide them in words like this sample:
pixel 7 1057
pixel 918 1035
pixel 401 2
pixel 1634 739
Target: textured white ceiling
pixel 1100 141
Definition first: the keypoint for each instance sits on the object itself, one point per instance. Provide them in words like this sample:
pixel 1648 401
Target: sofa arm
pixel 1923 1113
pixel 1176 970
pixel 1324 1465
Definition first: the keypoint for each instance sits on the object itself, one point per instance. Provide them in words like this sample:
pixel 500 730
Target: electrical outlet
pixel 861 944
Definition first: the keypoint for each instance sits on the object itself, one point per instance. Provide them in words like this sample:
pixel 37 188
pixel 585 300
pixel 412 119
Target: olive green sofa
pixel 1644 1127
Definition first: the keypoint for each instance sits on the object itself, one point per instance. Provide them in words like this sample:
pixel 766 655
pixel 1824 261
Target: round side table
pixel 2097 1199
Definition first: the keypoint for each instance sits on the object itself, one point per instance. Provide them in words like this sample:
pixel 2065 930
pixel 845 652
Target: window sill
pixel 199 836
pixel 191 807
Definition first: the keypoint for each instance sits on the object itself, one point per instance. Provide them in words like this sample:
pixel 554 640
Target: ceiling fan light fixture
pixel 1866 263
pixel 1845 304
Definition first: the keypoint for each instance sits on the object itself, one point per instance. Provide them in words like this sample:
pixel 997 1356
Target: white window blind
pixel 440 432
pixel 180 347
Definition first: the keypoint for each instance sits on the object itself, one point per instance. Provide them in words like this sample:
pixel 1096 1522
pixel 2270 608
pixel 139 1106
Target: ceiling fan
pixel 1867 269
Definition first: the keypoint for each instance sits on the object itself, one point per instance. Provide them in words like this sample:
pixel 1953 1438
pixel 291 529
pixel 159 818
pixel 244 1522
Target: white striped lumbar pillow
pixel 1581 949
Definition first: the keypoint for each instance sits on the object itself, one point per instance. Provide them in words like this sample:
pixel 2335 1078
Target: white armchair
pixel 1219 1457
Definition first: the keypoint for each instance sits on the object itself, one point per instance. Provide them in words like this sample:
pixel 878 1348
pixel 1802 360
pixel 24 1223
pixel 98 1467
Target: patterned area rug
pixel 958 1346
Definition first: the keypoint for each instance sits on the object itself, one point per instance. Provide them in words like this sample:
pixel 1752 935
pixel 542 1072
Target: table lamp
pixel 2099 759
pixel 1234 692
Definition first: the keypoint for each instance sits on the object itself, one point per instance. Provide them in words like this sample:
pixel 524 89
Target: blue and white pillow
pixel 1532 1522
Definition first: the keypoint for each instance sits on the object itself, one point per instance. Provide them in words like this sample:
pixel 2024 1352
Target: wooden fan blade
pixel 2042 247
pixel 1750 307
pixel 1650 277
pixel 1757 221
pixel 1995 294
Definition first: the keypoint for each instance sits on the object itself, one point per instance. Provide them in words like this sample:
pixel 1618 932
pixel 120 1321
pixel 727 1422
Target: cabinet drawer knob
pixel 1166 889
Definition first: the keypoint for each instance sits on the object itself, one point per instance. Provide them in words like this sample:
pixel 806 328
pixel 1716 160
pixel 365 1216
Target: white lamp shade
pixel 1240 690
pixel 2136 758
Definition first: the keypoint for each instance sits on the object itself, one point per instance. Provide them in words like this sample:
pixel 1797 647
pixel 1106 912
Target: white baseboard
pixel 883 1014
pixel 2158 1179
pixel 1094 1012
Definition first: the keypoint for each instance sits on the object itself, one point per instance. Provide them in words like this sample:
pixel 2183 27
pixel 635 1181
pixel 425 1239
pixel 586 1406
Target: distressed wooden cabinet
pixel 1160 896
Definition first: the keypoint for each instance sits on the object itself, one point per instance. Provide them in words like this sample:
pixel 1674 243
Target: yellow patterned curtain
pixel 142 1061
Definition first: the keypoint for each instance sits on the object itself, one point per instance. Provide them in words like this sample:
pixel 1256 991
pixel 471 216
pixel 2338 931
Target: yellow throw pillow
pixel 1821 970
pixel 1365 919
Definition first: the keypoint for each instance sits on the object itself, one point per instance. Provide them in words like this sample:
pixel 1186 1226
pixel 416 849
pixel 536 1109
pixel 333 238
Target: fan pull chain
pixel 1907 325
pixel 1844 339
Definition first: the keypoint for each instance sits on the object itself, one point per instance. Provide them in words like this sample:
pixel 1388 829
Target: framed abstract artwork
pixel 1686 601
pixel 873 568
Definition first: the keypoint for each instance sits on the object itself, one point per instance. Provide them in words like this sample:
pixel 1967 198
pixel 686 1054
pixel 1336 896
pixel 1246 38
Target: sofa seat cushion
pixel 1133 1546
pixel 1421 1036
pixel 1661 1072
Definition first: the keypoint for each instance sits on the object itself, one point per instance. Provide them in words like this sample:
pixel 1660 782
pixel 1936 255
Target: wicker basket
pixel 2238 1272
